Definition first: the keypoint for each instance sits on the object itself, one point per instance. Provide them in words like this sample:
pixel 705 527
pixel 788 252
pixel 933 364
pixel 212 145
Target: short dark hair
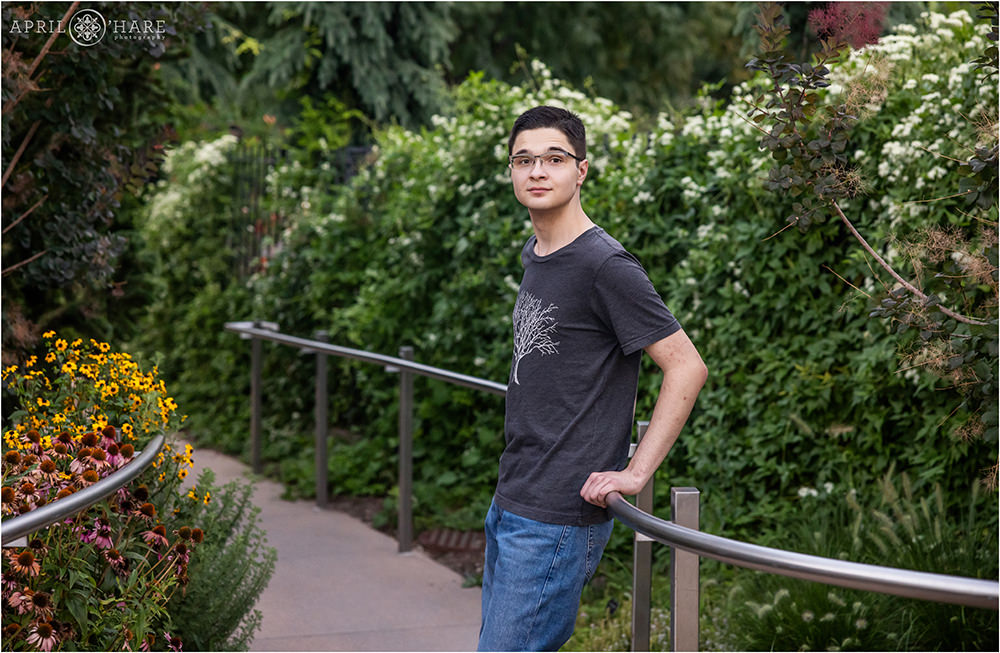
pixel 545 116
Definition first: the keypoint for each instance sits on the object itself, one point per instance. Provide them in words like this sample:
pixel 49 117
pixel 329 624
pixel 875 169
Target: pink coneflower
pixel 23 563
pixel 88 478
pixel 42 635
pixel 147 642
pixel 101 535
pixel 64 631
pixel 100 459
pixel 182 553
pixel 147 512
pixel 115 458
pixel 83 461
pixel 59 451
pixel 9 497
pixel 66 440
pixel 38 547
pixel 173 643
pixel 156 538
pixel 124 499
pixel 20 601
pixel 8 584
pixel 41 605
pixel 29 493
pixel 117 561
pixel 12 458
pixel 108 436
pixel 35 440
pixel 48 472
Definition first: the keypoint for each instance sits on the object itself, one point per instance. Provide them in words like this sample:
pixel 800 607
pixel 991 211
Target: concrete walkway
pixel 339 585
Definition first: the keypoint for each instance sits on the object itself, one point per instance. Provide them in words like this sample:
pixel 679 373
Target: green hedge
pixel 422 249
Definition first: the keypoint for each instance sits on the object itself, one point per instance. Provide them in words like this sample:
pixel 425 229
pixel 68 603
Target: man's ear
pixel 582 172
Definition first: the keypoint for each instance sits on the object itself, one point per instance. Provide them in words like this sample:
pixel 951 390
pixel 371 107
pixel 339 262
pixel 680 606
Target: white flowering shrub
pixel 186 234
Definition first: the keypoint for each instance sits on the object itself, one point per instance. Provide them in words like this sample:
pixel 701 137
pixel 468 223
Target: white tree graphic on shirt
pixel 533 329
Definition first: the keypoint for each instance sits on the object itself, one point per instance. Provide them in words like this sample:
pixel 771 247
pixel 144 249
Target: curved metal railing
pixel 249 330
pixel 887 580
pixel 79 501
pixel 972 592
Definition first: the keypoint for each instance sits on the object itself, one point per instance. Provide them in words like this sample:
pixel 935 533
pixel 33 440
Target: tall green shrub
pixel 422 249
pixel 187 235
pixel 234 559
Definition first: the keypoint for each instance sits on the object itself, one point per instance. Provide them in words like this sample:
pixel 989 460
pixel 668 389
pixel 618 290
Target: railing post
pixel 642 565
pixel 405 513
pixel 322 424
pixel 255 402
pixel 684 575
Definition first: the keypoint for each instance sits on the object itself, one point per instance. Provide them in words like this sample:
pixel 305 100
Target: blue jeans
pixel 532 580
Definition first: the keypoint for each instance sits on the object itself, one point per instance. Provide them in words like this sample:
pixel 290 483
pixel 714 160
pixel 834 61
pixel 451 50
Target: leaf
pixel 447 478
pixel 78 608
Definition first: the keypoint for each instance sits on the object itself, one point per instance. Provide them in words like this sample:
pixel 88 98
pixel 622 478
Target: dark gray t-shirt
pixel 583 316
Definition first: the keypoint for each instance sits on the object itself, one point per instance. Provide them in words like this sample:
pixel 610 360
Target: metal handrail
pixel 959 590
pixel 79 501
pixel 257 331
pixel 313 346
pixel 886 580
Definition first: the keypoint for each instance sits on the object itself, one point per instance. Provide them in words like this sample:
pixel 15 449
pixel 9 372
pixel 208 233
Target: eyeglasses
pixel 552 160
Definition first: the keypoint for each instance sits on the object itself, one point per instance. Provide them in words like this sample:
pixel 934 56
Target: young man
pixel 585 312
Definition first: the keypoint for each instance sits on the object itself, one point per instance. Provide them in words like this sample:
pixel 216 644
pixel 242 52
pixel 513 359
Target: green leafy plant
pixel 233 556
pixel 896 529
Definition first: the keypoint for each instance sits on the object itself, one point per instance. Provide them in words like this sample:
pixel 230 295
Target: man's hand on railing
pixel 600 484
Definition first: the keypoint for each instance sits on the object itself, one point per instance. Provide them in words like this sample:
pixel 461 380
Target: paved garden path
pixel 339 585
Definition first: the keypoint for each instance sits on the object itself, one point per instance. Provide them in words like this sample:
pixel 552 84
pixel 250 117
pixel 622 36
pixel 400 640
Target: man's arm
pixel 684 374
